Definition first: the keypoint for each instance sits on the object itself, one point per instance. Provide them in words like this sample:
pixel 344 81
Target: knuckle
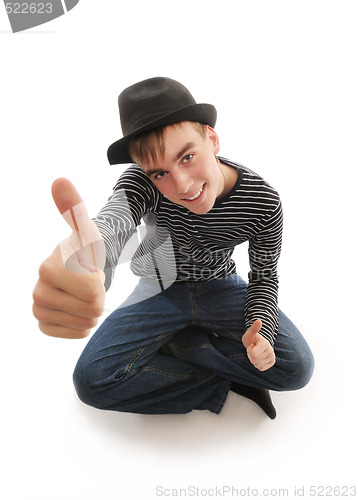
pixel 89 293
pixel 45 328
pixel 80 334
pixel 35 297
pixel 63 332
pixel 34 310
pixel 37 311
pixel 97 309
pixel 92 310
pixel 38 297
pixel 96 305
pixel 92 322
pixel 92 290
pixel 45 270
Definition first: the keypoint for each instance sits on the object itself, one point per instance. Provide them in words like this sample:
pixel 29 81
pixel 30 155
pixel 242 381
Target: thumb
pixel 65 194
pixel 69 203
pixel 85 246
pixel 249 336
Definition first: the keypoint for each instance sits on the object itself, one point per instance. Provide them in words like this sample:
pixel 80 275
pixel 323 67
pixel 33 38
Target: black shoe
pixel 259 396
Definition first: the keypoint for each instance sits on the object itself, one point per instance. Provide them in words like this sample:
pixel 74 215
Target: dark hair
pixel 148 146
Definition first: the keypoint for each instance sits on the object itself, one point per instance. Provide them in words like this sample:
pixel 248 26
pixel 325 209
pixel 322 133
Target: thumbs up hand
pixel 69 295
pixel 258 349
pixel 84 250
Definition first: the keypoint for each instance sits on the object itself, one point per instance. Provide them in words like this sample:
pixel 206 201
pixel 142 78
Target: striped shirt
pixel 177 245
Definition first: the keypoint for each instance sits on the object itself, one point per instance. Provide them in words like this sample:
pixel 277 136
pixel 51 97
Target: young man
pixel 192 329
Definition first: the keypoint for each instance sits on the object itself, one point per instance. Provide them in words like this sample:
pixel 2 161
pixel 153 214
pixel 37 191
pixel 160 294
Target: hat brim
pixel 203 113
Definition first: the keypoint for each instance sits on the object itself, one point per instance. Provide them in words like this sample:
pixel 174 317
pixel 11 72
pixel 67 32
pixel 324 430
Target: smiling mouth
pixel 196 195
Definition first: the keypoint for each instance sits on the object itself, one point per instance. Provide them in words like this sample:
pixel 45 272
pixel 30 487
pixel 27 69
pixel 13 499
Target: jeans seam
pixel 236 356
pixel 223 399
pixel 192 307
pixel 139 352
pixel 163 335
pixel 197 346
pixel 172 374
pixel 215 329
pixel 129 366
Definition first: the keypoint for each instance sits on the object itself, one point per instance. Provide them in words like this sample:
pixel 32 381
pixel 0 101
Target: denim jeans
pixel 180 349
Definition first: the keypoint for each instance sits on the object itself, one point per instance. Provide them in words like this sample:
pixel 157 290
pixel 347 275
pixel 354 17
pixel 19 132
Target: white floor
pixel 284 81
pixel 56 447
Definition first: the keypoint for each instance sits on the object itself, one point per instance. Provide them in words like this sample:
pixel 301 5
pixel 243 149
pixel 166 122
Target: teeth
pixel 196 195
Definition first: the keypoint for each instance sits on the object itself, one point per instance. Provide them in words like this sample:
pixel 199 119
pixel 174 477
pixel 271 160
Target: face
pixel 188 174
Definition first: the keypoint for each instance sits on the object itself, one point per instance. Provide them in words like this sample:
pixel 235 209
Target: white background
pixel 283 77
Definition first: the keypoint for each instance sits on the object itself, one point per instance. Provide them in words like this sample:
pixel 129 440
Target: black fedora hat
pixel 154 103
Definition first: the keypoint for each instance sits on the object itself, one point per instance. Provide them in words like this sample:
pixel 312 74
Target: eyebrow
pixel 185 148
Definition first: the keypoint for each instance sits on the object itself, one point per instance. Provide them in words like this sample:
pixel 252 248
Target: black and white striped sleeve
pixel 262 292
pixel 133 195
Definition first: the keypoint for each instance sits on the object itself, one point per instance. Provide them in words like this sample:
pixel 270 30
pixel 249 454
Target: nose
pixel 182 182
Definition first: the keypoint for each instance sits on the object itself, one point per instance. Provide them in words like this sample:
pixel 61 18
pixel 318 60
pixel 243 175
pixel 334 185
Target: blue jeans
pixel 180 349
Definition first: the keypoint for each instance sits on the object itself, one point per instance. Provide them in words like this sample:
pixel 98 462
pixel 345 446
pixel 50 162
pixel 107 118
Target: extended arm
pixel 262 292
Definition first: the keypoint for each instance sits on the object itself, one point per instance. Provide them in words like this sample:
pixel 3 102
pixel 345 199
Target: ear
pixel 214 138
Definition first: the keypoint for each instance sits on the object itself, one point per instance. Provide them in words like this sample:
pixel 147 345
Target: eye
pixel 159 176
pixel 187 158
